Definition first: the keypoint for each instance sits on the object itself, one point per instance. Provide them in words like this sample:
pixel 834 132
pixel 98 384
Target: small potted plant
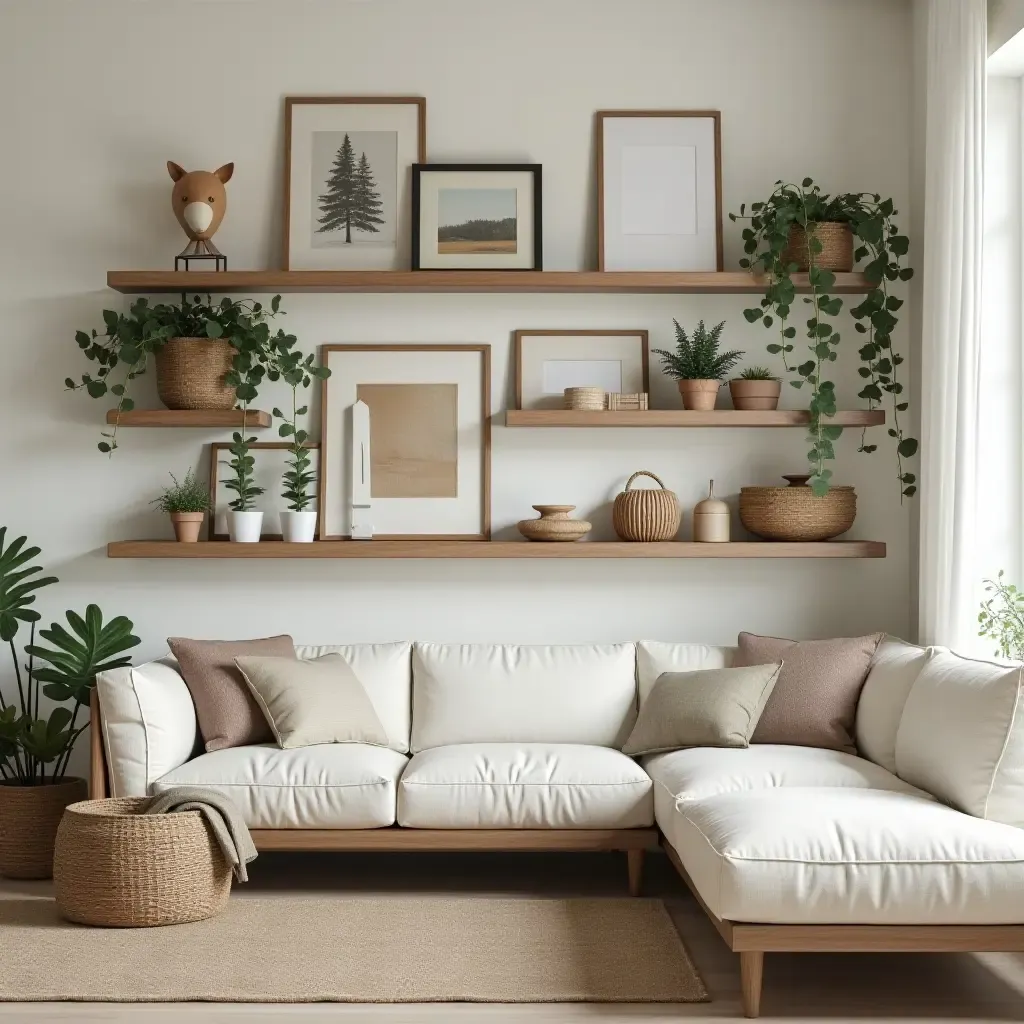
pixel 186 502
pixel 755 388
pixel 697 365
pixel 245 521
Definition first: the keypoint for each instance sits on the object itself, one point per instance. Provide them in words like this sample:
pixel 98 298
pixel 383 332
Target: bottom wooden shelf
pixel 492 549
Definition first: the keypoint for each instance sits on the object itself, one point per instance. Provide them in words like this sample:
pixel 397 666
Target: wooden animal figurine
pixel 200 201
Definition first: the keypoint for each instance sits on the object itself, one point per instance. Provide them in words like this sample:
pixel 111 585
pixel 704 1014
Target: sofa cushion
pixel 847 856
pixel 504 693
pixel 654 658
pixel 332 785
pixel 524 785
pixel 961 736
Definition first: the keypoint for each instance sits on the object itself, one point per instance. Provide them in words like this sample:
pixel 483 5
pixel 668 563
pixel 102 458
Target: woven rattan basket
pixel 837 246
pixel 795 513
pixel 589 399
pixel 190 373
pixel 29 819
pixel 117 867
pixel 647 514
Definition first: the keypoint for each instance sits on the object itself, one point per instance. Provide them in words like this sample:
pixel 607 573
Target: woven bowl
pixel 795 513
pixel 117 867
pixel 190 373
pixel 647 514
pixel 837 247
pixel 589 399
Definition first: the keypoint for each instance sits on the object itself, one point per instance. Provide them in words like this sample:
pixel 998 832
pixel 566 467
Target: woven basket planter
pixel 837 247
pixel 29 818
pixel 118 867
pixel 646 514
pixel 190 373
pixel 795 513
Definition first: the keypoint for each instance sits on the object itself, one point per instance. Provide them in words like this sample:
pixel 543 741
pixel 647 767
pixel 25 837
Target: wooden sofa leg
pixel 635 867
pixel 751 973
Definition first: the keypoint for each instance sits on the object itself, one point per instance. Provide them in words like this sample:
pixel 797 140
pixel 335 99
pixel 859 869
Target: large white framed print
pixel 347 180
pixel 405 448
pixel 659 186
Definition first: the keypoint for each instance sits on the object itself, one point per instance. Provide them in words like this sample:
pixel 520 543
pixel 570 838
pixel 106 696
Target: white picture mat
pixel 431 183
pixel 537 349
pixel 308 118
pixel 659 190
pixel 676 251
pixel 559 374
pixel 462 515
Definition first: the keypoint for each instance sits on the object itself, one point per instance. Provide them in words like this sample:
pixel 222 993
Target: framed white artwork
pixel 659 187
pixel 548 362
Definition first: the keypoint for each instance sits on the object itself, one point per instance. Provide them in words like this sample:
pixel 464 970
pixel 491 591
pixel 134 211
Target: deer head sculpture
pixel 200 201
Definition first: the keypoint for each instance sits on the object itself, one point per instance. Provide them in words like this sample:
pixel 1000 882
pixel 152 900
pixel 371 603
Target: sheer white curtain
pixel 951 440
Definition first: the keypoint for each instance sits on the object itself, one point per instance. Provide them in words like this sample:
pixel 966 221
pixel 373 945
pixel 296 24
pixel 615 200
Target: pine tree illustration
pixel 351 200
pixel 368 205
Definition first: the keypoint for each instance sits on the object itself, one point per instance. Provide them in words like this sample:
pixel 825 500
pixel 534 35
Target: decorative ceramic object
pixel 245 527
pixel 200 200
pixel 29 817
pixel 711 519
pixel 795 512
pixel 699 394
pixel 755 395
pixel 646 514
pixel 187 526
pixel 554 524
pixel 298 527
pixel 589 399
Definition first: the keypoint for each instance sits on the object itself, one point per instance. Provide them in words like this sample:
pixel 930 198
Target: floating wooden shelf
pixel 491 549
pixel 147 282
pixel 684 418
pixel 214 418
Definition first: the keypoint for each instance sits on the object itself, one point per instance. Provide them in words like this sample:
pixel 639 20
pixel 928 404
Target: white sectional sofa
pixel 915 844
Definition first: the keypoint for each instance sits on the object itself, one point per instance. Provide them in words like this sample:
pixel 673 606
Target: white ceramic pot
pixel 298 527
pixel 244 527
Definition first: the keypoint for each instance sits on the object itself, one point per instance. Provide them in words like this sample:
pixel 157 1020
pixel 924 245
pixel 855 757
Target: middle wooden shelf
pixel 685 418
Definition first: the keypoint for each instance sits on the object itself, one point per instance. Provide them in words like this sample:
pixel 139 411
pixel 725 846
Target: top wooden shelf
pixel 149 282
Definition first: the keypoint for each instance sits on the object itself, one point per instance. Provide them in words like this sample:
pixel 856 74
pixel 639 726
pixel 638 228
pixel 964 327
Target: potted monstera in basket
pixel 35 750
pixel 697 365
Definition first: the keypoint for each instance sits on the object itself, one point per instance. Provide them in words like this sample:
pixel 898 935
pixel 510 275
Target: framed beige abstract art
pixel 406 442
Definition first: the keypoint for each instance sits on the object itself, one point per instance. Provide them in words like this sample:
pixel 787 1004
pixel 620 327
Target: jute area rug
pixel 392 949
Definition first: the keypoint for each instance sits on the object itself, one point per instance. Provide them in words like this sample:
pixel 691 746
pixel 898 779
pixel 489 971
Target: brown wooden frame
pixel 291 101
pixel 220 446
pixel 485 426
pixel 716 115
pixel 517 351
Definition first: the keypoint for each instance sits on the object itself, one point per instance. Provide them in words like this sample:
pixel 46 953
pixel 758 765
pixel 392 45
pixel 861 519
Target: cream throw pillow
pixel 307 702
pixel 718 707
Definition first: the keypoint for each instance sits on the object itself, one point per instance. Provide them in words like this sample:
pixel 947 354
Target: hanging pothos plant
pixel 880 243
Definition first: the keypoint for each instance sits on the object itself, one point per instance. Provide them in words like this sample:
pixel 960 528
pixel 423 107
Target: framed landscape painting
pixel 476 217
pixel 347 180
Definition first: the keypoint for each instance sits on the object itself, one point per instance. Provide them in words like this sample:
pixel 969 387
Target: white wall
pixel 98 95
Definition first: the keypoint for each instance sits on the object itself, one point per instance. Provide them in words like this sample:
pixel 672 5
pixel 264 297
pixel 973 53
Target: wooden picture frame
pixel 332 458
pixel 518 355
pixel 656 261
pixel 395 257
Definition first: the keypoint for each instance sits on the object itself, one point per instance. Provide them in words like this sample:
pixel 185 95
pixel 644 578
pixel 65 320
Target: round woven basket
pixel 648 514
pixel 118 867
pixel 795 513
pixel 190 373
pixel 837 246
pixel 589 399
pixel 29 818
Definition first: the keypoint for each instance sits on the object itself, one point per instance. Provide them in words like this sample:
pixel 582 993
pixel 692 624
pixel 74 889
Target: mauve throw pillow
pixel 226 711
pixel 814 703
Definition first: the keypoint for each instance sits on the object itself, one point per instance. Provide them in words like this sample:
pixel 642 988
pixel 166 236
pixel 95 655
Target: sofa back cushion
pixel 504 693
pixel 654 658
pixel 961 736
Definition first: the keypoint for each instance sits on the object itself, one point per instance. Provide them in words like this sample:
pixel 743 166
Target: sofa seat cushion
pixel 330 785
pixel 524 785
pixel 847 856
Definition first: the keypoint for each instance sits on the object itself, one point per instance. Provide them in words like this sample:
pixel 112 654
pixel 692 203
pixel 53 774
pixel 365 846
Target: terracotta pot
pixel 187 526
pixel 554 524
pixel 699 394
pixel 755 394
pixel 190 373
pixel 29 817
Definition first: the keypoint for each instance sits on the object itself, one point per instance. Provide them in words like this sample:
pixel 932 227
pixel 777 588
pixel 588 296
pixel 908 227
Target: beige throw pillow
pixel 717 707
pixel 814 703
pixel 307 702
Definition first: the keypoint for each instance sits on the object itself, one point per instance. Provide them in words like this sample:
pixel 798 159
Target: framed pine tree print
pixel 348 172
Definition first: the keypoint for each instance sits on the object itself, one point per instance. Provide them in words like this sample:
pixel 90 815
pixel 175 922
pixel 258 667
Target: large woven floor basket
pixel 117 867
pixel 836 247
pixel 190 373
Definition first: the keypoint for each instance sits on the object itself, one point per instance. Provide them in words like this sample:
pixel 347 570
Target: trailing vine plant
pixel 880 243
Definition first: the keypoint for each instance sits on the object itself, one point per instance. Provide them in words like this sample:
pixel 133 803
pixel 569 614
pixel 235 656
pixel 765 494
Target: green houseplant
pixel 697 365
pixel 35 747
pixel 245 521
pixel 186 502
pixel 1002 618
pixel 787 229
pixel 756 388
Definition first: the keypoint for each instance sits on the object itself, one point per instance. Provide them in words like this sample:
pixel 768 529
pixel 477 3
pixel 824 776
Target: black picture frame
pixel 538 224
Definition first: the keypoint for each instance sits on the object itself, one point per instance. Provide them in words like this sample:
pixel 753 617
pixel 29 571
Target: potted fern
pixel 186 502
pixel 697 365
pixel 756 388
pixel 245 521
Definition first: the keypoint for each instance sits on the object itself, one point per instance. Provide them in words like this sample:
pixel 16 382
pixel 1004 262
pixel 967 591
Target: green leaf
pixel 214 329
pixel 907 447
pixel 96 388
pixel 753 315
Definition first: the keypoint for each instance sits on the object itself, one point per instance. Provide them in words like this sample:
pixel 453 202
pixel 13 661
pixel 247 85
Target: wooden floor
pixel 834 988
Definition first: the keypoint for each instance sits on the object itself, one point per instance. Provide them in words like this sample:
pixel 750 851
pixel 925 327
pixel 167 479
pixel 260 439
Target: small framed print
pixel 548 362
pixel 347 192
pixel 406 441
pixel 476 217
pixel 659 188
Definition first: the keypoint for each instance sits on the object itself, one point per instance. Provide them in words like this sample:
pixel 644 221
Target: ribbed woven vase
pixel 190 373
pixel 647 514
pixel 796 513
pixel 29 818
pixel 118 867
pixel 837 247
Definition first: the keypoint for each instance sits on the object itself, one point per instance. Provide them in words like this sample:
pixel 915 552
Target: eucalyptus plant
pixel 1002 618
pixel 697 357
pixel 880 243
